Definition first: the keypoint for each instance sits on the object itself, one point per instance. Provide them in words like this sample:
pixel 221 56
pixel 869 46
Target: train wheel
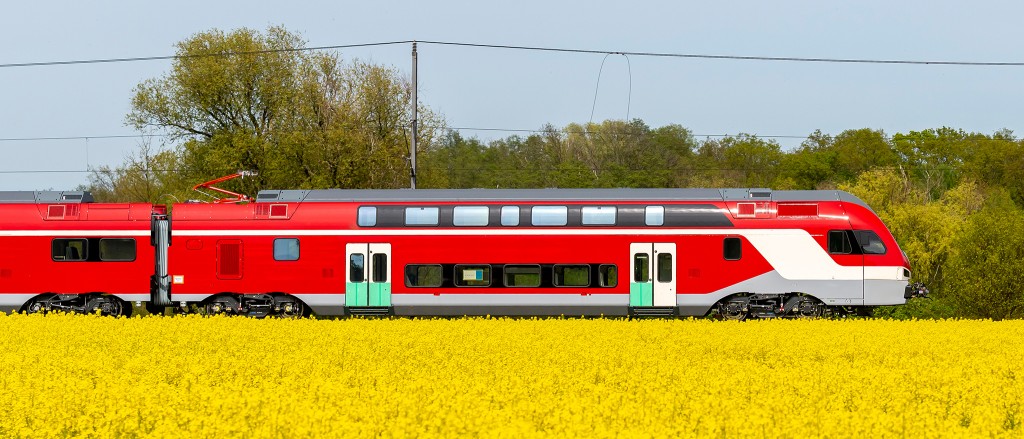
pixel 36 306
pixel 810 308
pixel 226 305
pixel 288 308
pixel 733 310
pixel 108 306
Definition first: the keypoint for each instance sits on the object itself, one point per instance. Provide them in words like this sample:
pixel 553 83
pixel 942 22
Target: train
pixel 736 253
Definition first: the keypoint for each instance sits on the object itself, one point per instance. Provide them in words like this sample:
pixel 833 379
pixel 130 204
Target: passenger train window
pixel 870 243
pixel 286 249
pixel 654 215
pixel 117 249
pixel 472 275
pixel 380 267
pixel 421 216
pixel 470 216
pixel 356 265
pixel 366 216
pixel 522 276
pixel 510 215
pixel 732 249
pixel 69 250
pixel 550 215
pixel 665 267
pixel 571 275
pixel 598 215
pixel 641 267
pixel 608 275
pixel 839 242
pixel 423 275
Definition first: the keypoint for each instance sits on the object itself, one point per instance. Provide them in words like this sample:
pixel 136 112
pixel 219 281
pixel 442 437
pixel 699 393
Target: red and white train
pixel 691 252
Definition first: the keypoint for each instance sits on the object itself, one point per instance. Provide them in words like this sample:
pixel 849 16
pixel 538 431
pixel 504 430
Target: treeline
pixel 953 199
pixel 247 100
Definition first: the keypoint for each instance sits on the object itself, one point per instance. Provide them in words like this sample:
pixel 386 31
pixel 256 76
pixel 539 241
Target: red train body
pixel 738 252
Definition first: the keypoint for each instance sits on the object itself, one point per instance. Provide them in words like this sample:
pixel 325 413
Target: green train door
pixel 652 280
pixel 367 280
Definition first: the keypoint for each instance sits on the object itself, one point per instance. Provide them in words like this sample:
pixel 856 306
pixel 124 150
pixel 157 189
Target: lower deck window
pixel 572 275
pixel 423 275
pixel 472 275
pixel 522 276
pixel 69 250
pixel 608 275
pixel 117 249
pixel 286 249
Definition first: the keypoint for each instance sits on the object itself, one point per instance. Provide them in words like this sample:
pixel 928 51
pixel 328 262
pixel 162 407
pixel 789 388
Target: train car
pixel 735 252
pixel 62 252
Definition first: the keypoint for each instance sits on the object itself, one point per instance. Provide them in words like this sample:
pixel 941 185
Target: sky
pixel 511 89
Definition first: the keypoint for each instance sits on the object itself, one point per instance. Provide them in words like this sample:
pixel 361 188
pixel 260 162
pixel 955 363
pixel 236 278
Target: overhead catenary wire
pixel 536 48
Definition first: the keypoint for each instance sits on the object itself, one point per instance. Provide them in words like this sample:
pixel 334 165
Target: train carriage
pixel 61 251
pixel 542 252
pixel 735 252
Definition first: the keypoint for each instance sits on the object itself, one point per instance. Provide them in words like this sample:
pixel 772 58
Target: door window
pixel 664 267
pixel 641 267
pixel 356 264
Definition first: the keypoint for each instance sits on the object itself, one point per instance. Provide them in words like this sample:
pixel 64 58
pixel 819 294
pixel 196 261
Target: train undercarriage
pixel 95 303
pixel 792 305
pixel 737 307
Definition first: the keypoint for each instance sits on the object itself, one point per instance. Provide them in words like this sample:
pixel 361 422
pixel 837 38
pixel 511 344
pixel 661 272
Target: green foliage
pixel 246 100
pixel 987 261
pixel 919 308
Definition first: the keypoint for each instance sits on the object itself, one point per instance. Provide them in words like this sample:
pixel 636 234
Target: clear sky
pixel 491 88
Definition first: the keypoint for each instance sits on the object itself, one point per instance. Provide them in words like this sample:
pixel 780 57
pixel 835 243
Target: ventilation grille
pixel 229 262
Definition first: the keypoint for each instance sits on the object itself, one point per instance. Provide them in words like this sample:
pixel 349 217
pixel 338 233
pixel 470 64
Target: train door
pixel 367 281
pixel 652 277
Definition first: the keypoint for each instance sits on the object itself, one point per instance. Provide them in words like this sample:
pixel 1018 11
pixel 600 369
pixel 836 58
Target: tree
pixel 988 260
pixel 246 100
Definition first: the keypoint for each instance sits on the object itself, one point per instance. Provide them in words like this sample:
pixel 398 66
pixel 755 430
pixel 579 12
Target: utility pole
pixel 415 104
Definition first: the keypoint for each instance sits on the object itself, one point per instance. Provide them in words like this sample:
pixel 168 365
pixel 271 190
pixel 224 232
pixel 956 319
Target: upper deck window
pixel 550 215
pixel 367 216
pixel 510 215
pixel 654 215
pixel 598 215
pixel 470 216
pixel 421 216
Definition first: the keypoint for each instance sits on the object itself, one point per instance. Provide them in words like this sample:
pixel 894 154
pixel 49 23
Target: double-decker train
pixel 686 252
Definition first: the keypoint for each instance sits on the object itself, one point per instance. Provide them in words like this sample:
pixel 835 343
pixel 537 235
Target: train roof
pixel 503 195
pixel 45 197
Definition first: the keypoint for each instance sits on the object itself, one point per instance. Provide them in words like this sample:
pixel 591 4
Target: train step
pixel 370 311
pixel 652 311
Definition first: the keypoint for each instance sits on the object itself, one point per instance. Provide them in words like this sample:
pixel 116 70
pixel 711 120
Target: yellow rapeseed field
pixel 91 376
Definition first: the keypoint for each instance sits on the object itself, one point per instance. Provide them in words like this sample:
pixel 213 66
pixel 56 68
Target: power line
pixel 537 48
pixel 730 57
pixel 201 55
